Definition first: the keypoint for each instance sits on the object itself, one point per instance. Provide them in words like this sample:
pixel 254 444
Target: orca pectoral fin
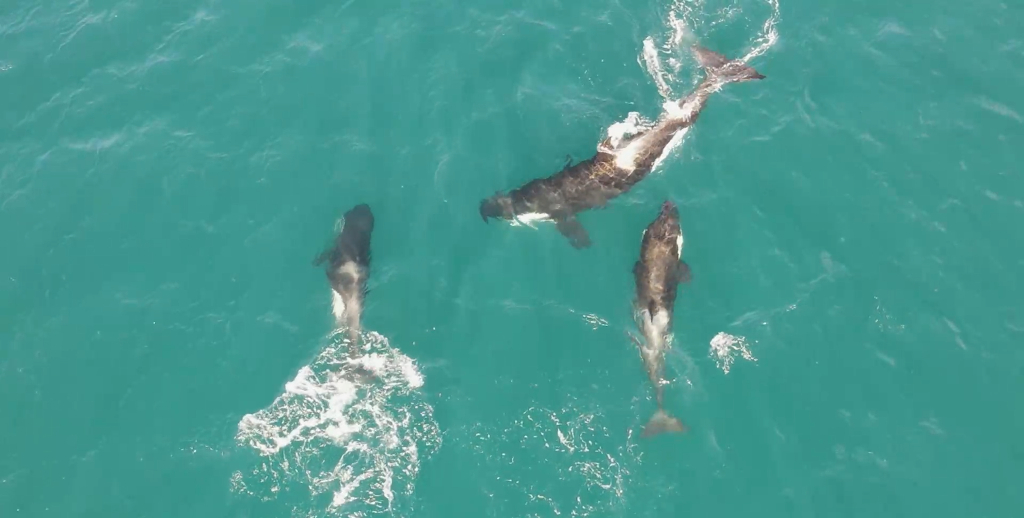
pixel 320 258
pixel 683 272
pixel 573 231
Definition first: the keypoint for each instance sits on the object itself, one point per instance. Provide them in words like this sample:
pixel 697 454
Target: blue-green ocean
pixel 850 344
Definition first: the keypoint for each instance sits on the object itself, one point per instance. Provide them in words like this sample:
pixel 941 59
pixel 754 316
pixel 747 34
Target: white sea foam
pixel 579 461
pixel 689 21
pixel 724 349
pixel 352 446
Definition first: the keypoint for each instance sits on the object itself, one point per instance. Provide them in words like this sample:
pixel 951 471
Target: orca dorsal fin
pixel 323 256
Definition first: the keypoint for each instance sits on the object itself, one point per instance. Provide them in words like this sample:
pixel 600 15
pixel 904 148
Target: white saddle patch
pixel 337 306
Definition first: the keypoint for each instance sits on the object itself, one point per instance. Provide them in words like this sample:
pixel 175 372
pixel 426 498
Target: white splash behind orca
pixel 614 169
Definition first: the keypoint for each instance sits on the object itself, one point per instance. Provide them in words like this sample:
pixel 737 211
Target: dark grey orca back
pixel 354 242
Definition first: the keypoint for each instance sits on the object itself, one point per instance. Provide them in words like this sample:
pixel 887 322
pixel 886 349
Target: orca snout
pixel 493 207
pixel 485 211
pixel 360 216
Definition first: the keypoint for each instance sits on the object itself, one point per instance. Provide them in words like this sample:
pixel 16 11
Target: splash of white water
pixel 350 445
pixel 725 347
pixel 685 19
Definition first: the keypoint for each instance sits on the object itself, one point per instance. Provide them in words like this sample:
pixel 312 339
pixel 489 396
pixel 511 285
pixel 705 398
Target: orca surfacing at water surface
pixel 348 268
pixel 613 170
pixel 657 275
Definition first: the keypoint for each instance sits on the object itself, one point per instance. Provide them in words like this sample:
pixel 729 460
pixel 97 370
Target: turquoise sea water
pixel 849 345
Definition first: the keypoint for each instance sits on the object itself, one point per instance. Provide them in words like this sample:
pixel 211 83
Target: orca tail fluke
pixel 723 69
pixel 661 422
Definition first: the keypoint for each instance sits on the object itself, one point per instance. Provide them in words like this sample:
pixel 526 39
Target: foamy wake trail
pixel 338 445
pixel 768 36
pixel 687 18
pixel 679 37
pixel 569 462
